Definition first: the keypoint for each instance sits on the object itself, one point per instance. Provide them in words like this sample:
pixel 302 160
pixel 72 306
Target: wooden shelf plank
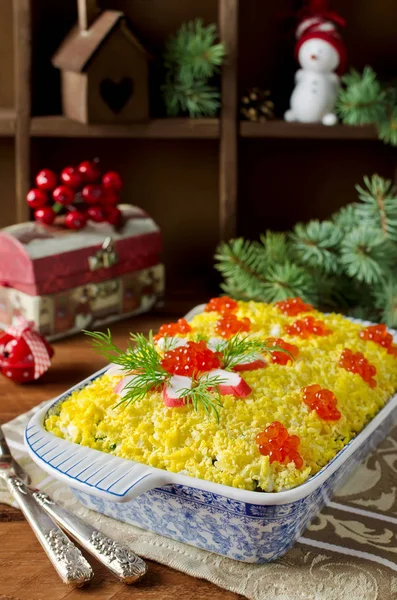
pixel 59 126
pixel 282 129
pixel 7 122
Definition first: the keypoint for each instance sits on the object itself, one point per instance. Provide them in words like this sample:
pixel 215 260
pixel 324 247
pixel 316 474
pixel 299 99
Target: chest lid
pixel 41 260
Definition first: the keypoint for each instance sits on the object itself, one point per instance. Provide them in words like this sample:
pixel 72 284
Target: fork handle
pixel 118 558
pixel 66 558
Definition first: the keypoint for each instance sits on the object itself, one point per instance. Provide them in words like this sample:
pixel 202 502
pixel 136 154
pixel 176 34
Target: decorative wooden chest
pixel 66 281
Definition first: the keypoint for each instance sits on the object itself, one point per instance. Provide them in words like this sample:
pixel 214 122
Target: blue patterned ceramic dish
pixel 243 525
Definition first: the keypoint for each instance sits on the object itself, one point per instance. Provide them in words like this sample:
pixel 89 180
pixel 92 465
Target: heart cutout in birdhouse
pixel 116 93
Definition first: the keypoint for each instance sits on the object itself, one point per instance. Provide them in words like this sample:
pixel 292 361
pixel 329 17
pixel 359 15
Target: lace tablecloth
pixel 349 551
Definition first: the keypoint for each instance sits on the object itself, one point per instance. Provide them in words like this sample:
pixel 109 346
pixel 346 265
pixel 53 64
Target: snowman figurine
pixel 321 54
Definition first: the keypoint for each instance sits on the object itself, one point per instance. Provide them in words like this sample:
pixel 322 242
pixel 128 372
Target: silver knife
pixel 66 558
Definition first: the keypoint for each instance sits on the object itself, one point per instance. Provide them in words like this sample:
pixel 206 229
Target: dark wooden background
pixel 280 180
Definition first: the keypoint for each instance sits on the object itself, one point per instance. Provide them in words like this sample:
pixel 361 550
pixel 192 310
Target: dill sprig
pixel 237 350
pixel 142 360
pixel 204 393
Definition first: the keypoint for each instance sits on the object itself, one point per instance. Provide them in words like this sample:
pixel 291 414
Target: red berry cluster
pixel 306 327
pixel 229 325
pixel 193 358
pixel 355 362
pixel 293 306
pixel 170 329
pixel 222 305
pixel 81 194
pixel 322 401
pixel 379 335
pixel 281 358
pixel 276 443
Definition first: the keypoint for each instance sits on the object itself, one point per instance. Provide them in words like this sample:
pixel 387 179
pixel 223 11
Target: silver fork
pixel 67 559
pixel 119 559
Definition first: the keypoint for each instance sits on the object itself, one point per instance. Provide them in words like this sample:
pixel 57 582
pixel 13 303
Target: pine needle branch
pixel 192 58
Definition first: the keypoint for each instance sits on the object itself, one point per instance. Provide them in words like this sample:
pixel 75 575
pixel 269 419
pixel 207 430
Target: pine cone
pixel 256 105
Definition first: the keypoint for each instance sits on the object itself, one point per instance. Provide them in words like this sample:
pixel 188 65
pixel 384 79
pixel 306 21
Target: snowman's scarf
pixel 25 330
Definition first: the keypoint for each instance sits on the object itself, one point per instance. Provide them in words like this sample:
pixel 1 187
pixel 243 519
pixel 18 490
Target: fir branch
pixel 288 280
pixel 204 393
pixel 237 350
pixel 378 205
pixel 249 273
pixel 385 298
pixel 346 218
pixel 366 255
pixel 194 97
pixel 387 126
pixel 362 100
pixel 191 58
pixel 315 243
pixel 276 247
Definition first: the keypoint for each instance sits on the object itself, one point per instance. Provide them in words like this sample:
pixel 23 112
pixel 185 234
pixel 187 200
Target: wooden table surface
pixel 25 572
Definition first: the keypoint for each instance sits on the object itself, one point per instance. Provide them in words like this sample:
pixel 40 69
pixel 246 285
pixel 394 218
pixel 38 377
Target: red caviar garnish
pixel 276 443
pixel 229 324
pixel 281 358
pixel 355 362
pixel 322 401
pixel 170 329
pixel 193 358
pixel 293 306
pixel 306 327
pixel 221 305
pixel 379 335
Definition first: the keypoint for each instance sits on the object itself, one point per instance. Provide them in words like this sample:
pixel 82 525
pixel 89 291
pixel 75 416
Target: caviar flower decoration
pixel 185 371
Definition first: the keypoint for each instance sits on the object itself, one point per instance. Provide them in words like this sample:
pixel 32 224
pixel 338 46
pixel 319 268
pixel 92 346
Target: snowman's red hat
pixel 318 22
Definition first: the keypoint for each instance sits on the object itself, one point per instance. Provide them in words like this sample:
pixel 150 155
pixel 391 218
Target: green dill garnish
pixel 112 446
pixel 205 393
pixel 142 360
pixel 238 350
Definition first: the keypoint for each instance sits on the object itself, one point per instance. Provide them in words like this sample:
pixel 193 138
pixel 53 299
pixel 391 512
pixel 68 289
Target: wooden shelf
pixel 7 122
pixel 282 129
pixel 59 126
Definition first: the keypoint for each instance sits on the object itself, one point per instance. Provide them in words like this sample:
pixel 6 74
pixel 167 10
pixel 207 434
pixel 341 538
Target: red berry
pixel 222 305
pixel 37 198
pixel 63 195
pixel 114 216
pixel 92 193
pixel 112 181
pixel 293 306
pixel 75 220
pixel 229 325
pixel 110 197
pixel 46 180
pixel 171 329
pixel 45 215
pixel 97 214
pixel 71 177
pixel 89 171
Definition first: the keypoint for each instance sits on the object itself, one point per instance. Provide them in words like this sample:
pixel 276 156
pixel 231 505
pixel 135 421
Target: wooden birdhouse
pixel 104 69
